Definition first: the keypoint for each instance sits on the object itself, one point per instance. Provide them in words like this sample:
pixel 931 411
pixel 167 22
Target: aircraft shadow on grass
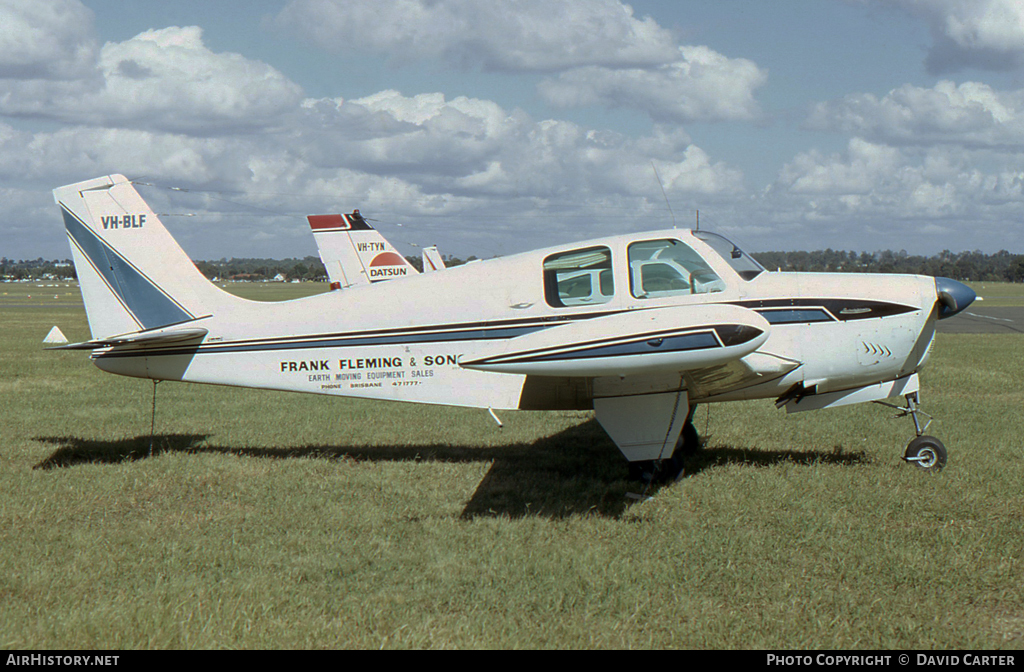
pixel 72 451
pixel 577 471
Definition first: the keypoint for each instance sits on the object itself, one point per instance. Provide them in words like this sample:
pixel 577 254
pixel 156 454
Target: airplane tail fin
pixel 432 260
pixel 133 275
pixel 354 253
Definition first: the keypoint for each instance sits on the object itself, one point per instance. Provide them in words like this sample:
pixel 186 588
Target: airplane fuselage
pixel 411 339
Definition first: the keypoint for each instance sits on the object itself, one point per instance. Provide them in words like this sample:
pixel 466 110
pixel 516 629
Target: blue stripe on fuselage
pixel 332 342
pixel 645 346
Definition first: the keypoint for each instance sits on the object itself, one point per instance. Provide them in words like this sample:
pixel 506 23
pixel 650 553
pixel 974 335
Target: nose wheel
pixel 924 452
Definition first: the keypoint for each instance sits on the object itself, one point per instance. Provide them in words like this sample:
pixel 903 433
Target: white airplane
pixel 639 327
pixel 355 253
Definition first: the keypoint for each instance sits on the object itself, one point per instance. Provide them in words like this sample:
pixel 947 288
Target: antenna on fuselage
pixel 658 177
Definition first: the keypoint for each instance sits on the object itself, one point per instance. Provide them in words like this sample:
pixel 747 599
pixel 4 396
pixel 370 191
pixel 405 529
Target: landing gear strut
pixel 924 452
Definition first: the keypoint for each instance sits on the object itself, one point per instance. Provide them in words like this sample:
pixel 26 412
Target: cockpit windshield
pixel 741 262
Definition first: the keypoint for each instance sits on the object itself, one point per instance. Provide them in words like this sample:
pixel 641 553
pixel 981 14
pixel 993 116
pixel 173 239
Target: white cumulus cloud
pixel 164 80
pixel 970 113
pixel 865 169
pixel 46 40
pixel 876 181
pixel 534 35
pixel 986 34
pixel 701 85
pixel 470 146
pixel 595 53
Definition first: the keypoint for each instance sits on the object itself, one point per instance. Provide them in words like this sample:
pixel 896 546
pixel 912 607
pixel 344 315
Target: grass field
pixel 296 521
pixel 999 294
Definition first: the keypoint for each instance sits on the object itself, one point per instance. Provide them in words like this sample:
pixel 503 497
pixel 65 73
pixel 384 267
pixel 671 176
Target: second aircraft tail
pixel 354 253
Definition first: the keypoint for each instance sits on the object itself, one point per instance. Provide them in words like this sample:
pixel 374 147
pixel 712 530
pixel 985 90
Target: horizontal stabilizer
pixel 147 338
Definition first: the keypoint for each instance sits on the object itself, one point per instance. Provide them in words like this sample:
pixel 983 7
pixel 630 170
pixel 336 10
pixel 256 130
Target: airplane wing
pixel 675 338
pixel 354 253
pixel 643 365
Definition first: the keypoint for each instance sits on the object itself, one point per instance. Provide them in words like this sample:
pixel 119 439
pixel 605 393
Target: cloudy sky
pixel 494 126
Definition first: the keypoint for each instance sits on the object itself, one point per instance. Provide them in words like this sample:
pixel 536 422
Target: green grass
pixel 272 520
pixel 274 291
pixel 999 293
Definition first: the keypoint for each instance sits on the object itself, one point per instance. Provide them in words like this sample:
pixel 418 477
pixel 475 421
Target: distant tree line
pixel 977 266
pixel 309 269
pixel 37 269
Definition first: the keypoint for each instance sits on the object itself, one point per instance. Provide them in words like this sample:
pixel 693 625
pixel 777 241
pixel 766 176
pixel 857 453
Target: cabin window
pixel 669 268
pixel 579 278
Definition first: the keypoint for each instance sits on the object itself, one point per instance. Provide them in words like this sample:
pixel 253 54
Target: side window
pixel 579 278
pixel 669 268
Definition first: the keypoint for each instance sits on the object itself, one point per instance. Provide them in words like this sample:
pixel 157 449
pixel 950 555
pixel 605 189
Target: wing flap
pixel 753 369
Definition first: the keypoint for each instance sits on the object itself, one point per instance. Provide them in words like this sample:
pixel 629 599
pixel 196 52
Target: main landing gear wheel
pixel 689 441
pixel 926 452
pixel 669 469
pixel 688 445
